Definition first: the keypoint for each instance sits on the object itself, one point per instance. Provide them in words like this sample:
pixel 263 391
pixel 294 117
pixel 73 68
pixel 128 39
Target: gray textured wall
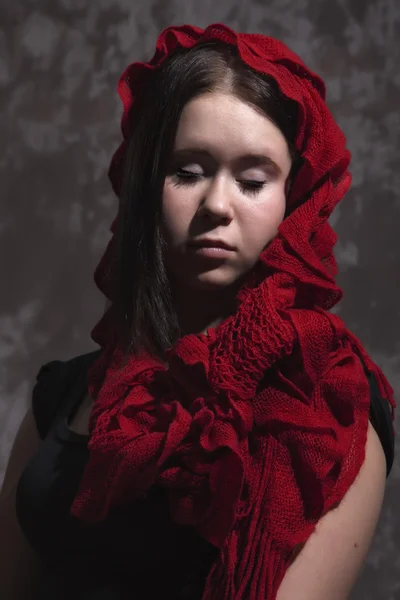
pixel 59 64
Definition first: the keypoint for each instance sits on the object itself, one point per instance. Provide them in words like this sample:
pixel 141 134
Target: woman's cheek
pixel 175 217
pixel 263 221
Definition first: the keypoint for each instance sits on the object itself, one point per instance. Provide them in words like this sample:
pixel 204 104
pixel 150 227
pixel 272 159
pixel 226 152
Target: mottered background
pixel 59 124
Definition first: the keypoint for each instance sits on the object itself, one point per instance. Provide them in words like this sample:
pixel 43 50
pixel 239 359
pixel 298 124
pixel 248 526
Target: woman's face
pixel 224 194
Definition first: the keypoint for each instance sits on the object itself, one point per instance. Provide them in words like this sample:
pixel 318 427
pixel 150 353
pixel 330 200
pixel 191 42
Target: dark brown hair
pixel 142 301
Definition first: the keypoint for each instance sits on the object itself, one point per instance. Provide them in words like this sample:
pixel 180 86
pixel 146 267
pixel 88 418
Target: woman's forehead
pixel 224 124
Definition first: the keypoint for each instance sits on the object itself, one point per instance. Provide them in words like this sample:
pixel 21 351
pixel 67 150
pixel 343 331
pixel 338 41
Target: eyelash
pixel 187 178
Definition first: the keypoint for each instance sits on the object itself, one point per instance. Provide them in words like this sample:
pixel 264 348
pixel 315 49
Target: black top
pixel 137 551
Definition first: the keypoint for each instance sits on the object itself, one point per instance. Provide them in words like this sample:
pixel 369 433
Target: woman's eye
pixel 185 177
pixel 250 186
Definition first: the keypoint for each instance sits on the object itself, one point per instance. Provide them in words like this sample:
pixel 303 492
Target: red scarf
pixel 258 428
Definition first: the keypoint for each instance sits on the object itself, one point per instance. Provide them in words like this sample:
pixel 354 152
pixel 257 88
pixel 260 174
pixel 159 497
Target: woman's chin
pixel 212 281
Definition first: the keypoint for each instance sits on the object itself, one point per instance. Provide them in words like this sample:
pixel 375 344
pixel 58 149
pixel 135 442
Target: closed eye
pixel 183 177
pixel 251 187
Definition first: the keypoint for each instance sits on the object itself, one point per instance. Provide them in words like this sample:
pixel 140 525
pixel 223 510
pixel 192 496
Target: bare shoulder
pixel 25 445
pixel 20 567
pixel 329 563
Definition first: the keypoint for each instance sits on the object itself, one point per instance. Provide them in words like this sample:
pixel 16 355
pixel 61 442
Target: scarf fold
pixel 258 428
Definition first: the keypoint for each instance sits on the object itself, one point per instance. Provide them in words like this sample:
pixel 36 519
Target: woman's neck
pixel 199 310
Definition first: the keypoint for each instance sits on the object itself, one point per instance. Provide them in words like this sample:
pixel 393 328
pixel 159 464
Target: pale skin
pixel 224 132
pixel 227 180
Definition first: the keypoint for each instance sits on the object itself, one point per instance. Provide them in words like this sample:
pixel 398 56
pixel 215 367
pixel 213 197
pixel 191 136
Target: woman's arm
pixel 328 565
pixel 19 565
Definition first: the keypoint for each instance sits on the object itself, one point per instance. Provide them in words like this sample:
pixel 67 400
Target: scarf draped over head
pixel 258 428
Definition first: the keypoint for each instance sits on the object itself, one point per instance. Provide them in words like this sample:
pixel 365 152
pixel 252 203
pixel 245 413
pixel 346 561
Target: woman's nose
pixel 217 200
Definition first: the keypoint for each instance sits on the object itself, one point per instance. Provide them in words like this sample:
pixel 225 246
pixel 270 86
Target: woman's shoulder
pixel 380 416
pixel 381 420
pixel 53 382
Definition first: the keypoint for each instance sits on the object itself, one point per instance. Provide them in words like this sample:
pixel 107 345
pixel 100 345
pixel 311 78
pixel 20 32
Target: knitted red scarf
pixel 258 428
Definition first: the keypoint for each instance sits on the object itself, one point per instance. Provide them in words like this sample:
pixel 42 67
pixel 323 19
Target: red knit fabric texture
pixel 258 428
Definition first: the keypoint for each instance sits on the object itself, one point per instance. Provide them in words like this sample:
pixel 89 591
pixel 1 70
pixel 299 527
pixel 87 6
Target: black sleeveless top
pixel 137 552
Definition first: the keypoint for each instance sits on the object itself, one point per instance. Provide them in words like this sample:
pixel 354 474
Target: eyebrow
pixel 244 161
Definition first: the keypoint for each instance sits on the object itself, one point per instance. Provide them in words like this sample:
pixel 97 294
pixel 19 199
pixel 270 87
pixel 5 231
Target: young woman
pixel 240 436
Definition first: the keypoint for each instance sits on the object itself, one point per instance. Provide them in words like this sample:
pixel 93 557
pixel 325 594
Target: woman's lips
pixel 211 248
pixel 212 251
